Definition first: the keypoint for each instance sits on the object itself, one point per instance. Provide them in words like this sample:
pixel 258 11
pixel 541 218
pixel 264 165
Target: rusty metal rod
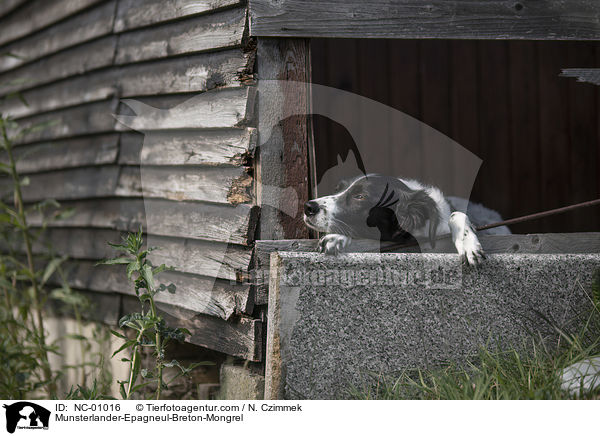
pixel 538 215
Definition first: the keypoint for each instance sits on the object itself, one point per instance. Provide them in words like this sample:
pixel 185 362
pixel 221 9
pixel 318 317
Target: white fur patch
pixel 333 243
pixel 464 238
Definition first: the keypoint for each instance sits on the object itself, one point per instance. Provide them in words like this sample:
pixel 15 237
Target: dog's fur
pixel 398 210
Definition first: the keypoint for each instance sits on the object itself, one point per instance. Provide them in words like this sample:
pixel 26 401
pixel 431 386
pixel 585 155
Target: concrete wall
pixel 334 320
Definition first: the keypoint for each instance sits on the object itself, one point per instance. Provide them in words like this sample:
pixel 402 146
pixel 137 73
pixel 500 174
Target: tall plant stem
pixel 159 350
pixel 51 386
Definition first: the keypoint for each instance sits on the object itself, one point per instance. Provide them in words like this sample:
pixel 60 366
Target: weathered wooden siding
pixel 505 101
pixel 186 73
pixel 476 19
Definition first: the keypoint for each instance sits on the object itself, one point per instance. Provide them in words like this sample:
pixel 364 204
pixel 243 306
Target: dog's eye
pixel 358 196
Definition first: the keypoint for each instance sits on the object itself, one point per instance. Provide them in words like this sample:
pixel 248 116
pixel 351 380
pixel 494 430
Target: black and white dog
pixel 397 210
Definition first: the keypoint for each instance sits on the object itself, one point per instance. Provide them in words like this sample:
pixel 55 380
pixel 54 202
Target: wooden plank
pixel 37 15
pixel 205 295
pixel 210 222
pixel 240 338
pixel 494 19
pixel 66 153
pixel 545 243
pixel 130 15
pixel 190 74
pixel 211 259
pixel 74 121
pixel 7 6
pixel 77 60
pixel 230 186
pixel 68 185
pixel 283 158
pixel 524 131
pixel 188 147
pixel 90 24
pixel 210 32
pixel 227 185
pixel 210 110
pixel 67 92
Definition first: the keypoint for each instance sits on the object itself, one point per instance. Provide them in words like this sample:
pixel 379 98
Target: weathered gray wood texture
pixel 497 19
pixel 142 116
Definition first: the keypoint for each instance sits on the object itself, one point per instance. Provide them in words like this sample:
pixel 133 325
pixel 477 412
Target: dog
pixel 392 209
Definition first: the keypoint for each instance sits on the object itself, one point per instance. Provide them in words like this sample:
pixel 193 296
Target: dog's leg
pixel 333 243
pixel 464 238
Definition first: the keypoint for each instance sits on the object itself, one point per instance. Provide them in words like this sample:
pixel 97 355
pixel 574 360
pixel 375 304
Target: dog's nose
pixel 311 208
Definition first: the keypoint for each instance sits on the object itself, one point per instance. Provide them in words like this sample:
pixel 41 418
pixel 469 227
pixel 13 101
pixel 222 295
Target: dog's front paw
pixel 465 240
pixel 333 244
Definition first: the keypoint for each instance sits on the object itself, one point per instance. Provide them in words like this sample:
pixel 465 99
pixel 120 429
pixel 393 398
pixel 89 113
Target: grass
pixel 530 372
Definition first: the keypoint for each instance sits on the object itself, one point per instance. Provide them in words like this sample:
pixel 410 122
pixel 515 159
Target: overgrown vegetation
pixel 532 372
pixel 27 280
pixel 149 328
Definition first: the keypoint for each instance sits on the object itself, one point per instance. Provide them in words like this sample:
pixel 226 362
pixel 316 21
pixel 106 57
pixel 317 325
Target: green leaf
pixel 115 261
pixel 146 273
pixel 127 344
pixel 118 335
pixel 51 268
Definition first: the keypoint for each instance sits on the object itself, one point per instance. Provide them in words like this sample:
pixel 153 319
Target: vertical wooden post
pixel 283 158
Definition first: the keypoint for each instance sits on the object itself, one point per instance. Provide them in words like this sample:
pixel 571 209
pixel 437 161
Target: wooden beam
pixel 283 157
pixel 241 337
pixel 206 295
pixel 492 19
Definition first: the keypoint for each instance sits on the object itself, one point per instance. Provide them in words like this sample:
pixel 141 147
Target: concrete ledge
pixel 334 319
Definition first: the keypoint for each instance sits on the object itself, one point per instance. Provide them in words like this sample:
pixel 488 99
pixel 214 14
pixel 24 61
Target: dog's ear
pixel 414 210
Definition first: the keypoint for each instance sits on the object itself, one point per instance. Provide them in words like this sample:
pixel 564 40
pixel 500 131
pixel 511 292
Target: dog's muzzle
pixel 311 208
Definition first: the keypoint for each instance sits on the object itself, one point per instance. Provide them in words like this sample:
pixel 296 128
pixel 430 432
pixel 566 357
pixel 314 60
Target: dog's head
pixel 374 207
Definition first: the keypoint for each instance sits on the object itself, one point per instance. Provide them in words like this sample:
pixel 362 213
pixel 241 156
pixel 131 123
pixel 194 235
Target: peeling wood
pixel 200 294
pixel 219 30
pixel 225 108
pixel 240 190
pixel 190 74
pixel 205 258
pixel 176 183
pixel 37 15
pixel 241 337
pixel 211 222
pixel 93 23
pixel 188 147
pixel 415 19
pixel 130 15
